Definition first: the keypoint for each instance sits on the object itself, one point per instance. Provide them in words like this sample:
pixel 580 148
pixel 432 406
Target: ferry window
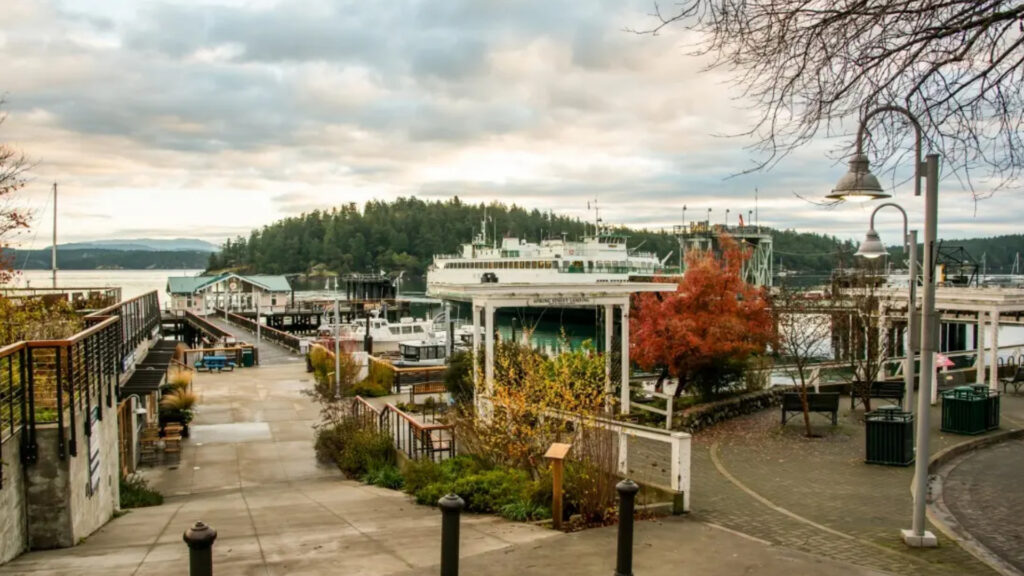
pixel 590 265
pixel 394 330
pixel 417 328
pixel 428 352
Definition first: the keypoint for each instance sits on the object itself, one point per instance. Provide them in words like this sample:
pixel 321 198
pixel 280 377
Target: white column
pixel 624 394
pixel 489 348
pixel 476 348
pixel 680 466
pixel 980 346
pixel 993 365
pixel 609 318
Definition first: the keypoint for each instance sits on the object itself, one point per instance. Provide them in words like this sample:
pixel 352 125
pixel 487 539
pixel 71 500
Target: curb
pixel 939 515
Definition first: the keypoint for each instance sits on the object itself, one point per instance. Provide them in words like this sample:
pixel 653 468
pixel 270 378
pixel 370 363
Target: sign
pixel 559 301
pixel 93 448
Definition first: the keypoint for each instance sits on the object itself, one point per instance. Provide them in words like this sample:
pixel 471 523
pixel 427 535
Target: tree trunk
pixel 680 385
pixel 807 409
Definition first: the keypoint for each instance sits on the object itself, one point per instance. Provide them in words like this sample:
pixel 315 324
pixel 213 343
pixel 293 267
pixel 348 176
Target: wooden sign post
pixel 557 453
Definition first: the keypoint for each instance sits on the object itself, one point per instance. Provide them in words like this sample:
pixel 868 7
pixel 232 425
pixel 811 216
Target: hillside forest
pixel 405 234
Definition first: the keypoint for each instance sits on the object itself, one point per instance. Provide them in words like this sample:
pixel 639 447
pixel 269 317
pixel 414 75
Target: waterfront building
pixel 236 292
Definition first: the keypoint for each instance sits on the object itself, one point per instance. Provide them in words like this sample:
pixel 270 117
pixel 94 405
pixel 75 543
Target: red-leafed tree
pixel 704 332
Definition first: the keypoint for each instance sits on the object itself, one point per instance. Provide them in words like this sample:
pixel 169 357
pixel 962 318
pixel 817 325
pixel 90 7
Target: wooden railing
pixel 289 341
pixel 416 440
pixel 204 325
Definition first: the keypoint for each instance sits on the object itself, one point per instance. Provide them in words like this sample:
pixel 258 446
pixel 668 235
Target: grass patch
pixel 136 493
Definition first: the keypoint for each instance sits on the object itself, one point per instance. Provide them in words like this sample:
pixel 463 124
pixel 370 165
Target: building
pixel 237 292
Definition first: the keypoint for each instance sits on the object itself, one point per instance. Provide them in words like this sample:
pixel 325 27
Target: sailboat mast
pixel 53 248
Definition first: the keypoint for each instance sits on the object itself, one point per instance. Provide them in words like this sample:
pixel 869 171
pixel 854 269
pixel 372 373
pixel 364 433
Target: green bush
pixel 482 490
pixel 458 378
pixel 421 473
pixel 379 377
pixel 355 451
pixel 370 389
pixel 136 493
pixel 386 476
pixel 524 511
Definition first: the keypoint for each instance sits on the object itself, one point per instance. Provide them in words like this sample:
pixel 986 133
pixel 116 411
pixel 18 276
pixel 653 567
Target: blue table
pixel 217 362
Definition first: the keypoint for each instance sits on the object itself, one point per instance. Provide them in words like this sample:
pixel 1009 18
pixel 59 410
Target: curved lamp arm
pixel 906 235
pixel 862 129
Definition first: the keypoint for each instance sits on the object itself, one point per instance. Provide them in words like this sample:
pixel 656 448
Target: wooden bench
pixel 425 388
pixel 1017 380
pixel 881 389
pixel 817 403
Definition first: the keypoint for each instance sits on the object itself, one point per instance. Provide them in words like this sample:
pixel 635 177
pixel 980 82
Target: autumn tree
pixel 706 330
pixel 812 67
pixel 803 340
pixel 13 219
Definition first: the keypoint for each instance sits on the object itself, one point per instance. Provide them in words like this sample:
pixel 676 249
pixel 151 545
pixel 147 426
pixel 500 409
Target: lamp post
pixel 860 184
pixel 872 248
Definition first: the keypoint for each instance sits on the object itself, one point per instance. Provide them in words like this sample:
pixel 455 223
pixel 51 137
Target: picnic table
pixel 211 363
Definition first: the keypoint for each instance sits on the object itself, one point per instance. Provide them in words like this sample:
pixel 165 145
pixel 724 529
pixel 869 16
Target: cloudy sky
pixel 206 118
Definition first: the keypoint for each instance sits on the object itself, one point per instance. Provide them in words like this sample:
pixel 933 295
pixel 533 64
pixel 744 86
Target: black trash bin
pixel 991 405
pixel 890 436
pixel 964 411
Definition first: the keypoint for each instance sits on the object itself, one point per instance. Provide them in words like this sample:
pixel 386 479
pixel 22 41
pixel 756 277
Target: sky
pixel 208 118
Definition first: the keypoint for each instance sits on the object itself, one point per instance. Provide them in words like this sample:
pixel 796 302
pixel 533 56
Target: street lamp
pixel 872 248
pixel 860 184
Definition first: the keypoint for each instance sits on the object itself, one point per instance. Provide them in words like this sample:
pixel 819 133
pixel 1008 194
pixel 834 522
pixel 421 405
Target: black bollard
pixel 451 507
pixel 200 539
pixel 624 559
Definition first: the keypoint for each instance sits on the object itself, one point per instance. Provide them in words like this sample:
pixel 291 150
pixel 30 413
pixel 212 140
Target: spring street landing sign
pixel 560 300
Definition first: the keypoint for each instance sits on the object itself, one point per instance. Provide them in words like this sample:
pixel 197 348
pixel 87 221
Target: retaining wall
pixel 13 513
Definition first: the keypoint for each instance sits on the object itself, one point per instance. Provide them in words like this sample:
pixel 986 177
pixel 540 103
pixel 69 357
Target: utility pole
pixel 53 249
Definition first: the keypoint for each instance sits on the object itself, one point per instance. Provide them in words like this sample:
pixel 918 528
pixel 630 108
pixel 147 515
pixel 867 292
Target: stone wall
pixel 13 523
pixel 47 495
pixel 704 415
pixel 91 509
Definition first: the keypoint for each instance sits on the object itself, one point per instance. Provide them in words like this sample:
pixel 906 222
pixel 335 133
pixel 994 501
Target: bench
pixel 881 389
pixel 1016 381
pixel 817 403
pixel 211 363
pixel 425 388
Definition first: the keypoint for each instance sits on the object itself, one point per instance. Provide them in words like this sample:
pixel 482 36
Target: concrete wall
pixel 62 507
pixel 13 513
pixel 47 494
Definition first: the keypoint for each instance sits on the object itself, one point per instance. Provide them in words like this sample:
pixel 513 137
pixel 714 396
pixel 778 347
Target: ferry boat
pixel 599 258
pixel 430 352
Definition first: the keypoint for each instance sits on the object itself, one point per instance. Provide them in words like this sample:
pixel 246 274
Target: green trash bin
pixel 964 411
pixel 991 405
pixel 890 436
pixel 247 357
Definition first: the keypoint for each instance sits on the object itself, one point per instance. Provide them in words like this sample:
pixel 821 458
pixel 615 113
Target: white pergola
pixel 487 298
pixel 988 304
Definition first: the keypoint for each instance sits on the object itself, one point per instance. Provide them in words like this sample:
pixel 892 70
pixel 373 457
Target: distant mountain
pixel 143 245
pixel 98 259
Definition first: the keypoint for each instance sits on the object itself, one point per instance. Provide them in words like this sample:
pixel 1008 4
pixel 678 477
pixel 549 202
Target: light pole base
pixel 926 540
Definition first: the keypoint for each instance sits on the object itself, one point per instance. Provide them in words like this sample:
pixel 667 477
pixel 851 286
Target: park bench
pixel 425 388
pixel 817 403
pixel 1017 380
pixel 879 389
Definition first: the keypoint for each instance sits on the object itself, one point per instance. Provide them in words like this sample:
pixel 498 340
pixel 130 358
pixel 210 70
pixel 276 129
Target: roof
pixel 192 284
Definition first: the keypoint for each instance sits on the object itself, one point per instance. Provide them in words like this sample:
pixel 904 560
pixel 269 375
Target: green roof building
pixel 237 292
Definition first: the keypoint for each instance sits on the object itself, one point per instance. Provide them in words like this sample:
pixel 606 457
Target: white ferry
pixel 596 259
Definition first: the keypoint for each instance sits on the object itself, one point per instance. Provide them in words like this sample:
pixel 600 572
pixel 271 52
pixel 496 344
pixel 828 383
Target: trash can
pixel 247 357
pixel 890 436
pixel 991 405
pixel 964 411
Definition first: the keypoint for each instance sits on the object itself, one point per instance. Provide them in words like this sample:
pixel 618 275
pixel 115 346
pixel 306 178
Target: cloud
pixel 221 116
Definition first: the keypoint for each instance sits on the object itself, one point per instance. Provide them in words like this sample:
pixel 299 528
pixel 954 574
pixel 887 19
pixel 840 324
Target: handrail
pixel 74 337
pixel 283 338
pixel 389 407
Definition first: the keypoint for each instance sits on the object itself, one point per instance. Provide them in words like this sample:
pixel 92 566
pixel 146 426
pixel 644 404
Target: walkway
pixel 984 493
pixel 270 352
pixel 818 496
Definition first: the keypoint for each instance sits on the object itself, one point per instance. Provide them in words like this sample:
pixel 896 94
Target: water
pixel 132 282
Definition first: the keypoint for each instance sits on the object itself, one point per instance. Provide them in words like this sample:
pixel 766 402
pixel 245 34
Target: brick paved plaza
pixel 818 495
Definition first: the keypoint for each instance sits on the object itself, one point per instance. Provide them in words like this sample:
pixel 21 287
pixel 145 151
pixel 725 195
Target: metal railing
pixel 204 325
pixel 58 381
pixel 416 440
pixel 410 375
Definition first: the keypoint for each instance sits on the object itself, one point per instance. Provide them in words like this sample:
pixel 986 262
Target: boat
pixel 417 353
pixel 386 335
pixel 602 257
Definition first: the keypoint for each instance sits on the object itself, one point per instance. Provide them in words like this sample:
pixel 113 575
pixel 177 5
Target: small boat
pixel 416 353
pixel 386 335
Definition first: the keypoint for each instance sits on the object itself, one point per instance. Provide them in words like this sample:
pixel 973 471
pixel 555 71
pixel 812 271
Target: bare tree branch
pixel 810 65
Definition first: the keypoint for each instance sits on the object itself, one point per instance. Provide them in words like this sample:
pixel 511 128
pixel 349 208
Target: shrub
pixel 458 378
pixel 381 377
pixel 421 473
pixel 355 451
pixel 385 476
pixel 370 389
pixel 524 511
pixel 136 493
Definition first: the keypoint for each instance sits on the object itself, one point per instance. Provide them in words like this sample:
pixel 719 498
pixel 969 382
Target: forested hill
pixel 404 235
pixel 96 259
pixel 393 236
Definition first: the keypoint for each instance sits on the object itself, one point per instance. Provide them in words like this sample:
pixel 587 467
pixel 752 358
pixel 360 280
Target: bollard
pixel 451 506
pixel 624 559
pixel 200 539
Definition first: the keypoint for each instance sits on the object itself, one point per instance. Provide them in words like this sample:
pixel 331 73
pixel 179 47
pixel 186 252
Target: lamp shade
pixel 872 246
pixel 859 184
